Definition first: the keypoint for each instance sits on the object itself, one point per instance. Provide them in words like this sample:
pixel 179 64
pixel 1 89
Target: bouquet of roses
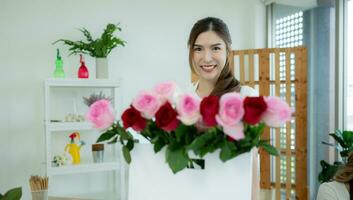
pixel 184 123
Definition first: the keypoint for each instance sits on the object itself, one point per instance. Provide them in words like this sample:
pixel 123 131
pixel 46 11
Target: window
pixel 288 33
pixel 349 82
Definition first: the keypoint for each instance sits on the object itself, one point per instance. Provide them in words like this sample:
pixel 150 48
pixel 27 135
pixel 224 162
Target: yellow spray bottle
pixel 74 149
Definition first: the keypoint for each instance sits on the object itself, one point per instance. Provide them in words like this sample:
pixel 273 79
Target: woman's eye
pixel 197 49
pixel 216 48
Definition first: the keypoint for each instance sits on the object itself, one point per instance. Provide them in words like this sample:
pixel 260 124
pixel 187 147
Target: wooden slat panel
pixel 270 82
pixel 288 127
pixel 241 68
pixel 267 50
pixel 264 87
pixel 301 125
pixel 231 61
pixel 277 130
pixel 251 70
pixel 300 151
pixel 283 185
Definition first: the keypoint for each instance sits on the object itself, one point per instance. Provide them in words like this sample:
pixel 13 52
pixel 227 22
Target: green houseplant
pixel 98 48
pixel 13 194
pixel 344 146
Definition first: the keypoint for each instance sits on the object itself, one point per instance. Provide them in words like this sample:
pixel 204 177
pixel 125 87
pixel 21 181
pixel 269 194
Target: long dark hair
pixel 226 81
pixel 345 174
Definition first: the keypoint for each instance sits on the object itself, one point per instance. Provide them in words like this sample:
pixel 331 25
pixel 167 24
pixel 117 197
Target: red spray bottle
pixel 82 71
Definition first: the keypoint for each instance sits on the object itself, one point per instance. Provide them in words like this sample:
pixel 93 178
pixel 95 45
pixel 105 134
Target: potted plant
pixel 344 146
pixel 98 48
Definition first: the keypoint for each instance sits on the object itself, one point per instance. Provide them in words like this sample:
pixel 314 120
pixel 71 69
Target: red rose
pixel 132 118
pixel 166 117
pixel 254 108
pixel 209 108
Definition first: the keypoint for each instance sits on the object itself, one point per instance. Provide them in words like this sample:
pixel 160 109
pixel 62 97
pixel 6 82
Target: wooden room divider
pixel 280 72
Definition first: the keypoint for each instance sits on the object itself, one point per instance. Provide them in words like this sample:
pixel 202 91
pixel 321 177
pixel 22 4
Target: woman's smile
pixel 208 68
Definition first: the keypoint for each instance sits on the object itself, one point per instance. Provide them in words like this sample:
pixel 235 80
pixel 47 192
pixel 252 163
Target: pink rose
pixel 234 132
pixel 165 91
pixel 101 114
pixel 230 113
pixel 278 112
pixel 188 108
pixel 147 103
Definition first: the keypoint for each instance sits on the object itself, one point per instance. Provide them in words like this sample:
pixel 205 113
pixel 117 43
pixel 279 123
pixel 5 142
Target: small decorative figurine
pixel 59 71
pixel 82 71
pixel 74 149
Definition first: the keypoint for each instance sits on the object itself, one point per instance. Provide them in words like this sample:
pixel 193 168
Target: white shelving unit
pixel 56 126
pixel 84 168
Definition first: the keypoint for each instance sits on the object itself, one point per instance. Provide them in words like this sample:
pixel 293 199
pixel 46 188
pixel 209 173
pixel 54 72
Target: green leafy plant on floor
pixel 344 145
pixel 13 194
pixel 98 48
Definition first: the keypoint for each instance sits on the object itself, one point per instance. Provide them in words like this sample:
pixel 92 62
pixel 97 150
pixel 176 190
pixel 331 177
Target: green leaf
pixel 180 132
pixel 113 141
pixel 328 171
pixel 13 194
pixel 158 145
pixel 87 34
pixel 130 144
pixel 124 135
pixel 126 154
pixel 344 153
pixel 106 136
pixel 177 159
pixel 348 137
pixel 269 149
pixel 227 151
pixel 201 141
pixel 339 139
pixel 255 131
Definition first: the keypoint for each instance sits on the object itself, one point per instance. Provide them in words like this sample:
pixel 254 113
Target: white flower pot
pixel 102 68
pixel 150 178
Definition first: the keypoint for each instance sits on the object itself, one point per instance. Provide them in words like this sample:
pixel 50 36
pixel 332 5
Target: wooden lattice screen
pixel 280 72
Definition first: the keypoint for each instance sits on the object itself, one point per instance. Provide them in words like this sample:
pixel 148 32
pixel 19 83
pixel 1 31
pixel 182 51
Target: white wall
pixel 156 32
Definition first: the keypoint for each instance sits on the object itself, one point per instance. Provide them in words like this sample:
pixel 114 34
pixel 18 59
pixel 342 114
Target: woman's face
pixel 209 56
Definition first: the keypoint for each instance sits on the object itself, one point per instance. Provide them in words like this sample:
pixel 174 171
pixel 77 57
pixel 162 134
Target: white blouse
pixel 244 90
pixel 332 191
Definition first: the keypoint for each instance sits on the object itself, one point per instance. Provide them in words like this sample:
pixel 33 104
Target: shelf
pixel 88 196
pixel 83 168
pixel 95 83
pixel 69 126
pixel 57 94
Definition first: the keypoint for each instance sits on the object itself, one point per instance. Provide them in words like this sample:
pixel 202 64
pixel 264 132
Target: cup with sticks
pixel 39 187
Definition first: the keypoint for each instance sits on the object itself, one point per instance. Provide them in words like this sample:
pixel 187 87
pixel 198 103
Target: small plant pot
pixel 98 153
pixel 102 68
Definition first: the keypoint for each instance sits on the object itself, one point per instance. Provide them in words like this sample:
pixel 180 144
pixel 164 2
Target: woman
pixel 209 55
pixel 341 188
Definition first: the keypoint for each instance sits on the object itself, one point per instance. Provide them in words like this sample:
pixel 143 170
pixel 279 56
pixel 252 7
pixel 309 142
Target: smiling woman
pixel 209 58
pixel 209 54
